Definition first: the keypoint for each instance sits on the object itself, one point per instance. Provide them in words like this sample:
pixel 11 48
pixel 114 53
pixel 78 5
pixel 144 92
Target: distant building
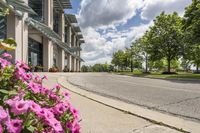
pixel 45 36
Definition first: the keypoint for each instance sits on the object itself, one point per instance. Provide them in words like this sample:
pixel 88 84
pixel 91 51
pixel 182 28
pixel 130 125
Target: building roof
pixel 16 6
pixel 71 18
pixel 49 33
pixel 82 41
pixel 74 49
pixel 77 29
pixel 62 4
pixel 80 36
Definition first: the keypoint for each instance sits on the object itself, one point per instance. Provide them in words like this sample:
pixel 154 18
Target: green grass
pixel 181 75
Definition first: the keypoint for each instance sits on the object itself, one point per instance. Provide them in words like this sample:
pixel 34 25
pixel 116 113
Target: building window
pixel 66 34
pixel 35 53
pixel 3 27
pixel 38 7
pixel 56 21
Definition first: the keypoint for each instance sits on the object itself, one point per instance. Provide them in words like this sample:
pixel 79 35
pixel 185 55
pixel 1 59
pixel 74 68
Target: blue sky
pixel 110 25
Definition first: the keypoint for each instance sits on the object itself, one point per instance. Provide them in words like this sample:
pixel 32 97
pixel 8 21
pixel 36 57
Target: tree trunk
pixel 197 68
pixel 131 65
pixel 146 59
pixel 169 65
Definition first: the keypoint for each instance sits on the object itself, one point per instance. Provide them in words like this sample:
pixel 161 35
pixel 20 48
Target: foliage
pixel 191 23
pixel 166 38
pixel 97 68
pixel 27 106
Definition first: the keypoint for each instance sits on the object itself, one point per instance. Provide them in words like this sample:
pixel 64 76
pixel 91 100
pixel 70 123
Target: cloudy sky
pixel 110 25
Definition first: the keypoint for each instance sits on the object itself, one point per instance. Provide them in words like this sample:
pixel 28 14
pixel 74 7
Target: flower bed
pixel 27 106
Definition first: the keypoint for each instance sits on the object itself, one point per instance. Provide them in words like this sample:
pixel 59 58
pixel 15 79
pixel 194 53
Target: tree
pixel 120 59
pixel 144 42
pixel 191 26
pixel 166 38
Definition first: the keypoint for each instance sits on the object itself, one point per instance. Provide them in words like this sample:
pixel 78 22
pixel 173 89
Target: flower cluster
pixel 27 106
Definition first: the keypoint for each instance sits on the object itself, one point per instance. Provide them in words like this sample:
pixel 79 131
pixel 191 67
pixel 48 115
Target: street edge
pixel 169 79
pixel 156 117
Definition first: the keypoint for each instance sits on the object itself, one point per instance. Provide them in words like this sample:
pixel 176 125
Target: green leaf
pixel 31 129
pixel 10 41
pixel 13 92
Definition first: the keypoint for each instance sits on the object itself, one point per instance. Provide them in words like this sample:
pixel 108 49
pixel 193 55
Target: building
pixel 45 36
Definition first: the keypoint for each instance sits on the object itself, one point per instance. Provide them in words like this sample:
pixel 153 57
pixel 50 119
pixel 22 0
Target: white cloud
pixel 100 19
pixel 152 8
pixel 96 13
pixel 99 49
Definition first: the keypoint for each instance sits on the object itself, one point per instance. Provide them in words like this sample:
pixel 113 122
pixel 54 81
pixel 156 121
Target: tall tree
pixel 191 26
pixel 166 38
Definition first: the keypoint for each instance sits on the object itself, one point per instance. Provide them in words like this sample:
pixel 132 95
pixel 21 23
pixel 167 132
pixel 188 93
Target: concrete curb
pixel 169 79
pixel 173 122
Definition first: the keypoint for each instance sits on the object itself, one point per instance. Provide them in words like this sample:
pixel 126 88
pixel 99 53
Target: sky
pixel 111 25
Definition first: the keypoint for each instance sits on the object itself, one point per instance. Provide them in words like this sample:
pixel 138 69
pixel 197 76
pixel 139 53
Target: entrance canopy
pixel 18 6
pixel 49 33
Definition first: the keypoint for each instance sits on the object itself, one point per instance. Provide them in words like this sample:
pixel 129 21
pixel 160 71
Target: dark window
pixel 56 21
pixel 66 34
pixel 35 52
pixel 37 6
pixel 3 27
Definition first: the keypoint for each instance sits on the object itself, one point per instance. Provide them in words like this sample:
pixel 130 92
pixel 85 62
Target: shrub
pixel 27 106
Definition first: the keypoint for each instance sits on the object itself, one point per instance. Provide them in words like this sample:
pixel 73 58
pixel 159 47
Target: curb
pixel 156 117
pixel 169 79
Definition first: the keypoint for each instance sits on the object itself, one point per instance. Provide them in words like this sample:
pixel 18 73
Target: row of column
pixel 73 64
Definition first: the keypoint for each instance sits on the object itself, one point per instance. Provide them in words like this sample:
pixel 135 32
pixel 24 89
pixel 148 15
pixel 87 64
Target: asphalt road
pixel 181 98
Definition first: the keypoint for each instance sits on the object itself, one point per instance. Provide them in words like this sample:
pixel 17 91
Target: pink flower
pixel 34 106
pixel 4 63
pixel 56 125
pixel 22 65
pixel 14 126
pixel 1 129
pixel 74 112
pixel 3 114
pixel 66 95
pixel 7 55
pixel 74 126
pixel 18 107
pixel 34 87
pixel 57 86
pixel 60 108
pixel 45 77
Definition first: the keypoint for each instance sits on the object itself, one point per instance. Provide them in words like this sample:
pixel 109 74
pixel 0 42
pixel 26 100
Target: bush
pixel 54 69
pixel 27 106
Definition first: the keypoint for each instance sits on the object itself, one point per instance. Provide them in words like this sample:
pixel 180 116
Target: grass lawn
pixel 163 76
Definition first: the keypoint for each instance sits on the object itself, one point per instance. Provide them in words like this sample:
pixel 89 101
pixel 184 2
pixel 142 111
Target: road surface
pixel 181 98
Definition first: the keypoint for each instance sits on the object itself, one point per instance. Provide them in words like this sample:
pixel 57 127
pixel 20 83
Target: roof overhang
pixel 80 36
pixel 77 29
pixel 82 41
pixel 70 19
pixel 17 6
pixel 62 4
pixel 74 49
pixel 50 34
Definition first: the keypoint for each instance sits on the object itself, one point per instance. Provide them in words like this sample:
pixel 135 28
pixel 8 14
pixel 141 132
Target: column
pixel 47 54
pixel 18 30
pixel 61 29
pixel 69 62
pixel 48 13
pixel 69 35
pixel 75 65
pixel 61 59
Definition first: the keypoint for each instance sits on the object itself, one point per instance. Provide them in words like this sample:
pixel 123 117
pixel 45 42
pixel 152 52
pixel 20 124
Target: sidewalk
pixel 98 118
